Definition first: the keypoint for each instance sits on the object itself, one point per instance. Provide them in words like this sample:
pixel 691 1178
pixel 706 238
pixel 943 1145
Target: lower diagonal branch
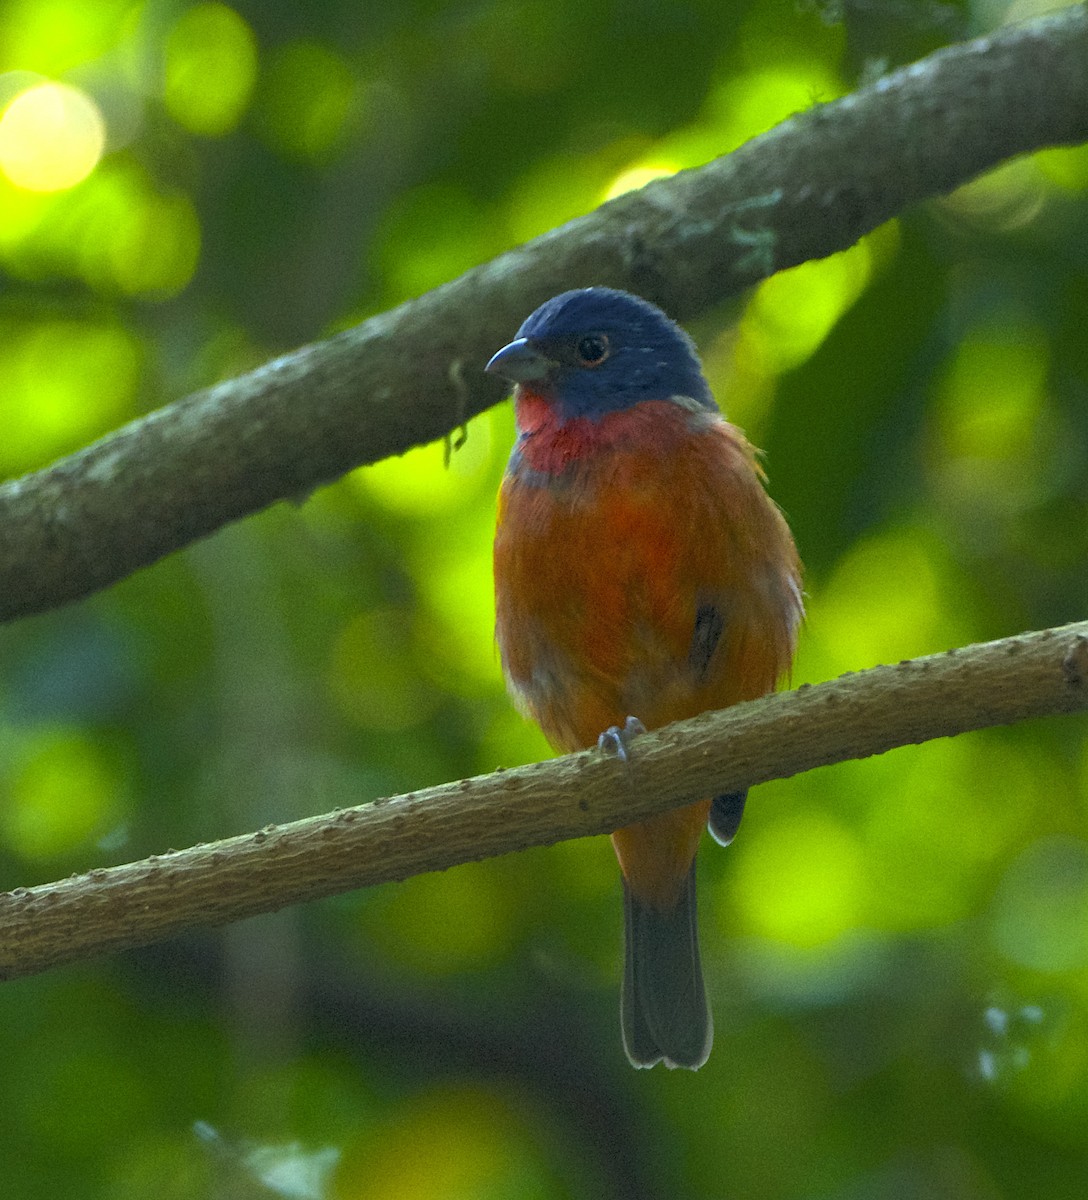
pixel 116 908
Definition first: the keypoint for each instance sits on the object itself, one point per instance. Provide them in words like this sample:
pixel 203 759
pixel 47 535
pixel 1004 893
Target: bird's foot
pixel 617 741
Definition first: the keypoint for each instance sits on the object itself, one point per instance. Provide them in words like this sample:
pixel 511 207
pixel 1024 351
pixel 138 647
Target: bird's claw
pixel 616 741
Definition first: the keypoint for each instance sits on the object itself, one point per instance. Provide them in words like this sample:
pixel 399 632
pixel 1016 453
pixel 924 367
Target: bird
pixel 642 575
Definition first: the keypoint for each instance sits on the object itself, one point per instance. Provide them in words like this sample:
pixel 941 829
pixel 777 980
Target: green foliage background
pixel 897 950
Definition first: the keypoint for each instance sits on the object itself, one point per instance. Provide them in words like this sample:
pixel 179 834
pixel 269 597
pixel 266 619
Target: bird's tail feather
pixel 663 1006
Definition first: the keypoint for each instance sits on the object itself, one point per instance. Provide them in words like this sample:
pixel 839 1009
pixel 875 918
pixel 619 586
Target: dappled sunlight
pixel 893 595
pixel 995 430
pixel 436 479
pixel 69 381
pixel 477 1143
pixel 786 321
pixel 455 586
pixel 53 36
pixel 117 232
pixel 937 819
pixel 309 94
pixel 746 105
pixel 801 880
pixel 993 395
pixel 741 107
pixel 443 923
pixel 511 739
pixel 210 69
pixel 554 190
pixel 62 791
pixel 429 235
pixel 51 137
pixel 793 311
pixel 1066 166
pixel 450 559
pixel 632 178
pixel 1023 10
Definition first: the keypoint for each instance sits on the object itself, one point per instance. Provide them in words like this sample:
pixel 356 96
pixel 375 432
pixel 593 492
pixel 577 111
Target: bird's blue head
pixel 597 350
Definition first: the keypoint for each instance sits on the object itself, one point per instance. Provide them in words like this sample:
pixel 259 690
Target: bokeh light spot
pixel 51 137
pixel 930 855
pixel 793 311
pixel 993 393
pixel 554 190
pixel 158 246
pixel 889 597
pixel 801 880
pixel 53 36
pixel 460 653
pixel 443 922
pixel 458 1143
pixel 308 94
pixel 429 235
pixel 118 232
pixel 1067 166
pixel 995 426
pixel 752 103
pixel 420 483
pixel 742 106
pixel 62 790
pixel 210 69
pixel 66 382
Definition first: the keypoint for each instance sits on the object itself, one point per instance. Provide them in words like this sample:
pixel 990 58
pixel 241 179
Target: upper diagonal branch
pixel 809 187
pixel 853 717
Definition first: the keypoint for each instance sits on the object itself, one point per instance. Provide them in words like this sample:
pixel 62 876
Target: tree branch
pixel 809 187
pixel 856 716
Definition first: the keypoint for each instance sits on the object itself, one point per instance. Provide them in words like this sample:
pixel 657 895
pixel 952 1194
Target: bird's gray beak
pixel 521 362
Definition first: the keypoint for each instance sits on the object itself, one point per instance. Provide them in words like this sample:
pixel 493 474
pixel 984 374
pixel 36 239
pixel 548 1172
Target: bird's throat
pixel 548 443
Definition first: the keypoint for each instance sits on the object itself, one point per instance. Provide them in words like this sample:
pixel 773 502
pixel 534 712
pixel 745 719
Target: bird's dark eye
pixel 592 349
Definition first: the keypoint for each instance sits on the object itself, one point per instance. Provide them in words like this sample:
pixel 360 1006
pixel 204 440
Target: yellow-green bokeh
pixel 308 94
pixel 893 595
pixel 62 790
pixel 443 922
pixel 64 382
pixel 118 231
pixel 271 174
pixel 210 69
pixel 1007 198
pixel 51 137
pixel 1067 166
pixel 53 36
pixel 801 880
pixel 994 427
pixel 457 1142
pixel 431 234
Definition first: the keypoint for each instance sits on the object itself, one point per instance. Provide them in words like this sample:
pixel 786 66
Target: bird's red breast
pixel 640 569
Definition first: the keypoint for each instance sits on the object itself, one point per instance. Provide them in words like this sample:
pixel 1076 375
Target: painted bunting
pixel 642 575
